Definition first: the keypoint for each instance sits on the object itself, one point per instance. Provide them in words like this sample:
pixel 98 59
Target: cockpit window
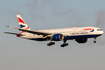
pixel 99 29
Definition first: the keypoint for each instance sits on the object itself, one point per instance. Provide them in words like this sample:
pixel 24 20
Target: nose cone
pixel 102 32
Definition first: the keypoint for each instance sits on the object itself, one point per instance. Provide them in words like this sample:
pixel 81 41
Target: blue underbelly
pixel 68 37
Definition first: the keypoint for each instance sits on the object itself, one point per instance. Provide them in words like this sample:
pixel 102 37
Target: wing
pixel 32 31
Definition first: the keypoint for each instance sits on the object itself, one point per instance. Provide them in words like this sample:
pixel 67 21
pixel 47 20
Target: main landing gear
pixel 51 43
pixel 64 44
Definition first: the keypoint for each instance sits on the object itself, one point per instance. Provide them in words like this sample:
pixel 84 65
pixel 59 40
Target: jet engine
pixel 57 37
pixel 81 40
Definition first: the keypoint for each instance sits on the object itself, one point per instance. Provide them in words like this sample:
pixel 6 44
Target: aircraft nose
pixel 102 32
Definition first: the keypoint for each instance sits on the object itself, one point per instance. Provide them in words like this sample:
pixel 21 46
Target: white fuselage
pixel 69 33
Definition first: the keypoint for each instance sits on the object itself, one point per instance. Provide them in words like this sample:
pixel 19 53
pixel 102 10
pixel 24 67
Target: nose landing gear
pixel 95 40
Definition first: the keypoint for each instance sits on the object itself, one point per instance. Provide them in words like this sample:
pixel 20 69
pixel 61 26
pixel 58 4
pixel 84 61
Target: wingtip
pixel 7 26
pixel 5 32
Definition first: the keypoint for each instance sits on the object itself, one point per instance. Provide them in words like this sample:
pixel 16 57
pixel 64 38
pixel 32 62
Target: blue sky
pixel 22 54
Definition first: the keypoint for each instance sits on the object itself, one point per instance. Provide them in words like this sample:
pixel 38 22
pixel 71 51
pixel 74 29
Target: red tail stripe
pixel 27 27
pixel 21 32
pixel 20 20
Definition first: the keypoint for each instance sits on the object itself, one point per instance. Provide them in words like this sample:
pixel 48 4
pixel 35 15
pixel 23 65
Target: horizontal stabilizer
pixel 13 33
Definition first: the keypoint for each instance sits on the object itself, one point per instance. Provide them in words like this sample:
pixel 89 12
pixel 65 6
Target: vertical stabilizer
pixel 22 23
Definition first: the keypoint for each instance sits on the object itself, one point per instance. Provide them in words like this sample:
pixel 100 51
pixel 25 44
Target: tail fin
pixel 22 23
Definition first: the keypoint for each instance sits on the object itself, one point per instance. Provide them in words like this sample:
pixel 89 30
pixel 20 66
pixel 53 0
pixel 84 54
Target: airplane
pixel 79 34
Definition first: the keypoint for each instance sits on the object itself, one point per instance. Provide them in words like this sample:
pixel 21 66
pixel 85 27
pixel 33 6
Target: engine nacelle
pixel 82 40
pixel 57 37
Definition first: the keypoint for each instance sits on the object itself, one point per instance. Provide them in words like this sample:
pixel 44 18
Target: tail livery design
pixel 22 23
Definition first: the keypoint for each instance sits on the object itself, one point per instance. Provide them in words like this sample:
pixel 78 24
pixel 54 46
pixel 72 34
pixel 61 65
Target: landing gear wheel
pixel 94 41
pixel 51 43
pixel 48 44
pixel 64 45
